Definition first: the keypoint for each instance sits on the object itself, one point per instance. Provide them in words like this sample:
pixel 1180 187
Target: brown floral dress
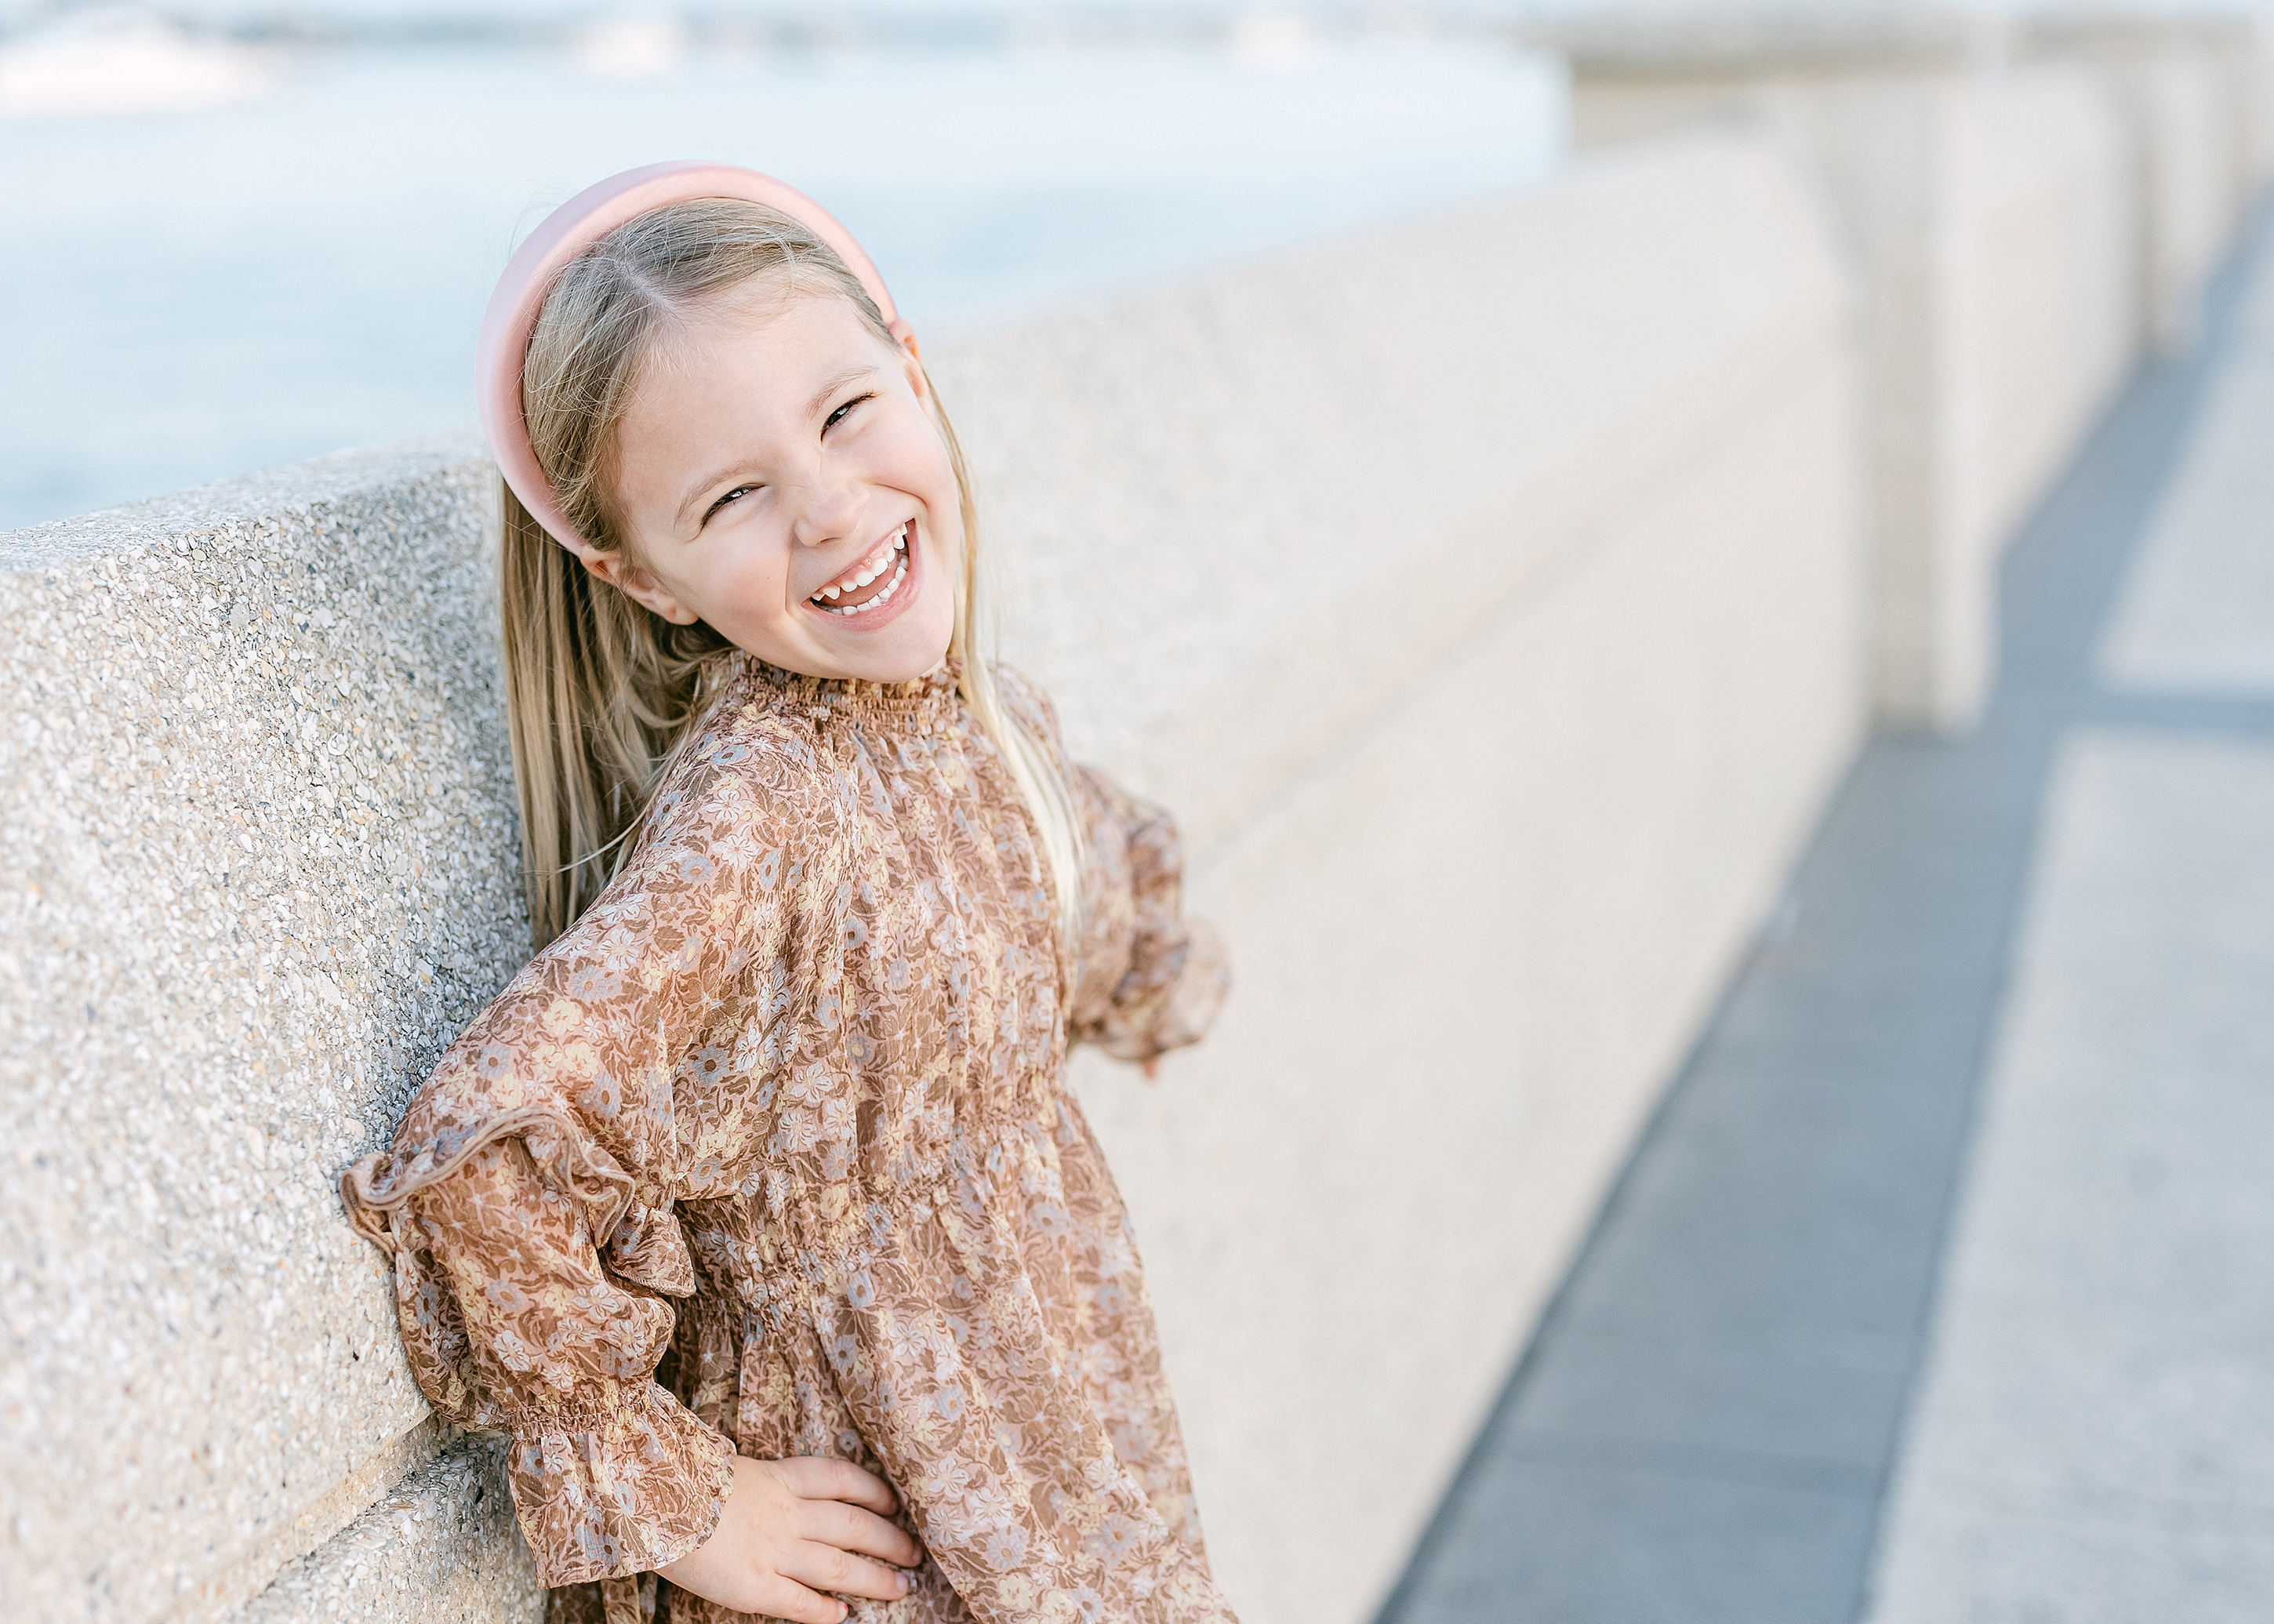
pixel 771 1152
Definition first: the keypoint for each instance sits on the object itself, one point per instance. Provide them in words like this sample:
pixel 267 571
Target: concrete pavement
pixel 2094 1439
pixel 1937 1292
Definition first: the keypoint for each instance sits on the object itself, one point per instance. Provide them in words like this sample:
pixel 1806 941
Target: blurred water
pixel 193 295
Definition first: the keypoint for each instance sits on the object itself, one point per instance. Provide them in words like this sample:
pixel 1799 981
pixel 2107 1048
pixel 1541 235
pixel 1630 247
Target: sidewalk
pixel 1940 1289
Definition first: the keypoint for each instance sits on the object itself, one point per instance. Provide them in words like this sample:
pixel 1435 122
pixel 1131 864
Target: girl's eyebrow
pixel 695 491
pixel 821 395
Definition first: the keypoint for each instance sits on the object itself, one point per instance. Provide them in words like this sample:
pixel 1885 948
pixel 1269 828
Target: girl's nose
pixel 828 515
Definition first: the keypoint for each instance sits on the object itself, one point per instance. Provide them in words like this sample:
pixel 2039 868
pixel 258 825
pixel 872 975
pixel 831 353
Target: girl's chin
pixel 883 669
pixel 912 647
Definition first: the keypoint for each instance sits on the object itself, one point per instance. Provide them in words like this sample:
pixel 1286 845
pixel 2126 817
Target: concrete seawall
pixel 259 872
pixel 1496 657
pixel 2027 204
pixel 1491 595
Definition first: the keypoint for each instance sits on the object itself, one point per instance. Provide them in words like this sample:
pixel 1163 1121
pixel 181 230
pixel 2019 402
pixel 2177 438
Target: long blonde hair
pixel 599 691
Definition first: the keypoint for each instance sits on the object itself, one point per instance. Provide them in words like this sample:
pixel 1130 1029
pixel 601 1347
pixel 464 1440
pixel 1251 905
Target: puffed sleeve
pixel 1150 977
pixel 611 1474
pixel 1153 977
pixel 528 1201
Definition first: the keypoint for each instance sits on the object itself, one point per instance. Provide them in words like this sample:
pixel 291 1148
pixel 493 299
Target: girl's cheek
pixel 918 456
pixel 764 571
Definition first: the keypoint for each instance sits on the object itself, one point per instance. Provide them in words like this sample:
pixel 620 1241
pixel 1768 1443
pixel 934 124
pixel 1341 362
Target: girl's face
pixel 781 479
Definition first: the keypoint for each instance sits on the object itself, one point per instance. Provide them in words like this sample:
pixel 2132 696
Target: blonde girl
pixel 755 1208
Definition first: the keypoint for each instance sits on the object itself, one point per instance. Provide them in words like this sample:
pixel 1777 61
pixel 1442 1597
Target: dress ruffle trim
pixel 641 1245
pixel 603 1496
pixel 377 1187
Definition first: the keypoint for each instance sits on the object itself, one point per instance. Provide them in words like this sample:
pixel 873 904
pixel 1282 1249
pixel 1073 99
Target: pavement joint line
pixel 1692 1461
pixel 1886 966
pixel 2241 715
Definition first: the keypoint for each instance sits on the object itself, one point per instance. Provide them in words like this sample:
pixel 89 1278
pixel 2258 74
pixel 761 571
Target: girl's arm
pixel 611 1474
pixel 1170 978
pixel 529 1201
pixel 1151 979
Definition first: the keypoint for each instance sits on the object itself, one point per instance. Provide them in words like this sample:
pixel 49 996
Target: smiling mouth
pixel 872 581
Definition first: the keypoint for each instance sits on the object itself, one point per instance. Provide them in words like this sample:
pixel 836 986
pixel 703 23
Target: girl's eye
pixel 842 411
pixel 712 511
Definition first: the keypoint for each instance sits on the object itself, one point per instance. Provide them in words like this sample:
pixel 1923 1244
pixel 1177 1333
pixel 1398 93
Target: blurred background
pixel 243 233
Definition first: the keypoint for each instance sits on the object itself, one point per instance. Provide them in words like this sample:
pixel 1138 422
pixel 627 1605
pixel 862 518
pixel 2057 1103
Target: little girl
pixel 756 1208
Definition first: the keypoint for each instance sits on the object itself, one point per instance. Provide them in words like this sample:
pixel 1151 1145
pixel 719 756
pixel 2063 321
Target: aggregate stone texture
pixel 258 865
pixel 441 1548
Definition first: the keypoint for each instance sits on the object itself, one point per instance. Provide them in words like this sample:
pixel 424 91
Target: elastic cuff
pixel 1180 1015
pixel 601 1496
pixel 1198 997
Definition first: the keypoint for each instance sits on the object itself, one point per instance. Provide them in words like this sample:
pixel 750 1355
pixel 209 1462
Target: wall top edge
pixel 269 493
pixel 1649 43
pixel 368 470
pixel 1178 285
pixel 2090 26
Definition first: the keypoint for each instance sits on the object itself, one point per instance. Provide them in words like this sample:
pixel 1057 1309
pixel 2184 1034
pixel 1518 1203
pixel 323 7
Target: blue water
pixel 191 296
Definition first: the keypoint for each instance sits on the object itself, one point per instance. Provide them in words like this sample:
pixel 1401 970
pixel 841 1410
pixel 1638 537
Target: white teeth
pixel 854 584
pixel 893 586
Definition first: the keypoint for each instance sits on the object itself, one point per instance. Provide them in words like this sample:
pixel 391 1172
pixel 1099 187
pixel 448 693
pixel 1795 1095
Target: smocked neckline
pixel 923 699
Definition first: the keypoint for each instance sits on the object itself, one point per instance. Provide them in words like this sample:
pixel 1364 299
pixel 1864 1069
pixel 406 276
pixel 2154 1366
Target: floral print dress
pixel 771 1152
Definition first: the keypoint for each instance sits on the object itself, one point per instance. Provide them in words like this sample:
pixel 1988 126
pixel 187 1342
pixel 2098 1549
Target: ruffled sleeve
pixel 611 1474
pixel 528 1199
pixel 1153 978
pixel 1150 979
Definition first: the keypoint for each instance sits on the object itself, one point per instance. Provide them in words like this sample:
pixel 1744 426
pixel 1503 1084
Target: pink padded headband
pixel 503 346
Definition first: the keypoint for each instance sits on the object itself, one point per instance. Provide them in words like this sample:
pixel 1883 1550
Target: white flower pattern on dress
pixel 772 1151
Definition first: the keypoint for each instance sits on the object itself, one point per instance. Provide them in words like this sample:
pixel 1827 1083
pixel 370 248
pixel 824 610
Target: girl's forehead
pixel 737 380
pixel 763 329
pixel 764 303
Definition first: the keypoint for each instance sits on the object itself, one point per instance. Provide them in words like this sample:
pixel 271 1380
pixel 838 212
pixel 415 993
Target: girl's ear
pixel 914 366
pixel 635 584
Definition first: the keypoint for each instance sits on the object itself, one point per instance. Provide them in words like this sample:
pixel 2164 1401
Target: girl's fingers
pixel 785 1599
pixel 811 1478
pixel 825 1567
pixel 849 1527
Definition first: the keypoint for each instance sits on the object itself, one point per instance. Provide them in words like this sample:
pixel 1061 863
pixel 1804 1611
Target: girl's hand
pixel 792 1529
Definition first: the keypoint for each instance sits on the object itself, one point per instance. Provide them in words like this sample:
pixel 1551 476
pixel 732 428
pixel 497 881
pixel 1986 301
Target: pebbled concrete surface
pixel 256 867
pixel 441 1547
